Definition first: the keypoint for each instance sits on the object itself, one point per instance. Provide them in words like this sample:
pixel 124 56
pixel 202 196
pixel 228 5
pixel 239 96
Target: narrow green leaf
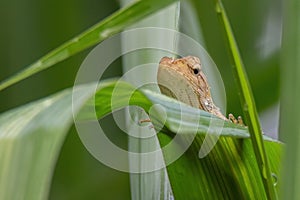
pixel 99 32
pixel 249 107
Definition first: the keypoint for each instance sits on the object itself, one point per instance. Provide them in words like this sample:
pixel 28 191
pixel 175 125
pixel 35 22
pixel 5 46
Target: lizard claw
pixel 238 121
pixel 232 118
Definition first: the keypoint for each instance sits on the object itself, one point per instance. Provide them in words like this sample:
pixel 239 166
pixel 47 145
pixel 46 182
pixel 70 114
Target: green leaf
pixel 99 32
pixel 249 108
pixel 31 137
pixel 229 171
pixel 154 185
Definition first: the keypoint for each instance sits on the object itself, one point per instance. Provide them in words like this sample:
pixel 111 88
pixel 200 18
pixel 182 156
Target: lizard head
pixel 184 80
pixel 190 68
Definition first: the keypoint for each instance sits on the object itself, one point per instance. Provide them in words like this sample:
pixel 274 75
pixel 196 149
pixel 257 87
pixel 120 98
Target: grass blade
pixel 249 107
pixel 99 32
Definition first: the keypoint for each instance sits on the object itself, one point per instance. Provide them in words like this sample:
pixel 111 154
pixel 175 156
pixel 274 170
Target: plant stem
pixel 290 100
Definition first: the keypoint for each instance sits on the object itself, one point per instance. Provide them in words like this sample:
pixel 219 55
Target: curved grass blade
pixel 249 107
pixel 99 32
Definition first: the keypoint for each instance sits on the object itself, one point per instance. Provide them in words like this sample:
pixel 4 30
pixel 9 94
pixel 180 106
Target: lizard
pixel 184 80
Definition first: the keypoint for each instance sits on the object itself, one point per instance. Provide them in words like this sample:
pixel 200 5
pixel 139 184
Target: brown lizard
pixel 184 80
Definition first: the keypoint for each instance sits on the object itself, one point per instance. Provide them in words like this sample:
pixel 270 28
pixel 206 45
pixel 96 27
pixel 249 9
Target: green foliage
pixel 249 107
pixel 111 25
pixel 32 135
pixel 42 126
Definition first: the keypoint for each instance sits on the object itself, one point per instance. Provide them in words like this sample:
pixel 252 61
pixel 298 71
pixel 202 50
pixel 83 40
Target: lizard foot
pixel 145 121
pixel 238 121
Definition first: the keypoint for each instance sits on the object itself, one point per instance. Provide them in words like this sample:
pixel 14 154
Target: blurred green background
pixel 32 28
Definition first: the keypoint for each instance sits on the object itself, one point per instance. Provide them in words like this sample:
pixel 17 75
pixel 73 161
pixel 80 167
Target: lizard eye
pixel 196 71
